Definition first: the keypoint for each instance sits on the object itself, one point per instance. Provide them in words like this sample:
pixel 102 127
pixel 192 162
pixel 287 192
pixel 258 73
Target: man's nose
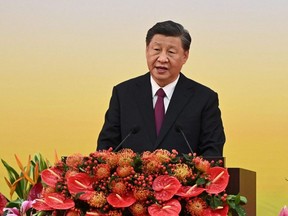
pixel 163 57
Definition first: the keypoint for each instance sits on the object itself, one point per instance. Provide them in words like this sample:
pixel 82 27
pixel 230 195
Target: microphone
pixel 134 130
pixel 179 130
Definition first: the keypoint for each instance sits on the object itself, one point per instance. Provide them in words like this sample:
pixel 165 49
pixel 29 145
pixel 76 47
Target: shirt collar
pixel 168 89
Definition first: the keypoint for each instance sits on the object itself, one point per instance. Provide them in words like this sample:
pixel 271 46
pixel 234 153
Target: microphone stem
pixel 186 141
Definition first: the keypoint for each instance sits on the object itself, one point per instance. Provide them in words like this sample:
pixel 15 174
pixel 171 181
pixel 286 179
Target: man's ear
pixel 186 56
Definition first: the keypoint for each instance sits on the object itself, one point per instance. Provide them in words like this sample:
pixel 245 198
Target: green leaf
pixel 38 158
pixel 200 181
pixel 137 163
pixel 78 195
pixel 231 203
pixel 215 201
pixel 15 203
pixel 13 175
pixel 187 157
pixel 240 211
pixel 243 200
pixel 237 199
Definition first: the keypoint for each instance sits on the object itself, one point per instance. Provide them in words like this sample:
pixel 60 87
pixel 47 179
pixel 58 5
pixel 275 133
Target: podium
pixel 243 182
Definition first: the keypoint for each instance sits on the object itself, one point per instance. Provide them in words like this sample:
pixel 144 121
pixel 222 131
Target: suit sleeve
pixel 110 135
pixel 212 137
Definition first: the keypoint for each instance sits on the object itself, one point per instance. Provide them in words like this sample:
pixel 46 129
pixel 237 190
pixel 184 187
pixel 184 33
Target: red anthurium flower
pixel 222 211
pixel 190 191
pixel 122 201
pixel 81 183
pixel 35 191
pixel 169 208
pixel 165 187
pixel 3 202
pixel 58 201
pixel 40 205
pixel 51 176
pixel 219 178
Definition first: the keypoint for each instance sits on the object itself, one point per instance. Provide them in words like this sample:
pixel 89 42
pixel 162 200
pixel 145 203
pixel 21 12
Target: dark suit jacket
pixel 193 106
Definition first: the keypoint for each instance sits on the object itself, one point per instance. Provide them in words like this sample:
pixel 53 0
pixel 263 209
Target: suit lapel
pixel 143 95
pixel 180 98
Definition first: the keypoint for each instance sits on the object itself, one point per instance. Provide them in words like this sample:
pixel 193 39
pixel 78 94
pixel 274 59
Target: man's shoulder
pixel 197 86
pixel 133 81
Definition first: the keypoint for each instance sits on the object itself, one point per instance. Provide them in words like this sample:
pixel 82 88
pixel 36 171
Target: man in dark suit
pixel 192 121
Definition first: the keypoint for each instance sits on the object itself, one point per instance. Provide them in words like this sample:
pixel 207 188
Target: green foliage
pixel 22 181
pixel 235 202
pixel 215 201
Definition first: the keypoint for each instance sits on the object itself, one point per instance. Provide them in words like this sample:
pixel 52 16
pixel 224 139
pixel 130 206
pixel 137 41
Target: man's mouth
pixel 161 69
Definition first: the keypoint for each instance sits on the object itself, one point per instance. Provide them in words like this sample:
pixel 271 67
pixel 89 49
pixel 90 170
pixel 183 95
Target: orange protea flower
pixel 114 213
pixel 98 200
pixel 126 157
pixel 151 166
pixel 141 194
pixel 112 160
pixel 119 187
pixel 196 207
pixel 201 164
pixel 146 155
pixel 74 160
pixel 182 171
pixel 151 162
pixel 102 171
pixel 103 154
pixel 162 155
pixel 123 171
pixel 138 209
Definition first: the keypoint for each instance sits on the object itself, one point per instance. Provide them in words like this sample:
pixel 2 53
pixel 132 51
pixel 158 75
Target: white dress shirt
pixel 168 89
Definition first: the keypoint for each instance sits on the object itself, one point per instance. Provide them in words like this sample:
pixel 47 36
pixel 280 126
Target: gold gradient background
pixel 60 59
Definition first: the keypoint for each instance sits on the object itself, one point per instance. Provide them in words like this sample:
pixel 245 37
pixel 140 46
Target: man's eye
pixel 171 51
pixel 156 49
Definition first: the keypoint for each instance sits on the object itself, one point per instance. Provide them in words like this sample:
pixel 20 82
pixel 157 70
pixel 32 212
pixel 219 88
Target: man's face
pixel 165 58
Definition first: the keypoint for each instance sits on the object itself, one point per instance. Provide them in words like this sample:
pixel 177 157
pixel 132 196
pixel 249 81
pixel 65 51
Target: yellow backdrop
pixel 60 59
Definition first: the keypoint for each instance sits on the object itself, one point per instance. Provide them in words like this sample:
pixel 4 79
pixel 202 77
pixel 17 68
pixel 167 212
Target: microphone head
pixel 135 129
pixel 178 127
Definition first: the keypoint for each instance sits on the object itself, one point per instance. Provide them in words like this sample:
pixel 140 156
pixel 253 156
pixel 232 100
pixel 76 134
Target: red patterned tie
pixel 159 109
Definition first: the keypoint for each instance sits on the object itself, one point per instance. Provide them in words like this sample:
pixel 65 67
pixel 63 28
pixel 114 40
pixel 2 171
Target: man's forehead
pixel 166 40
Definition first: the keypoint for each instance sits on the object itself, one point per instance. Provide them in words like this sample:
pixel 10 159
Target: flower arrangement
pixel 155 183
pixel 26 185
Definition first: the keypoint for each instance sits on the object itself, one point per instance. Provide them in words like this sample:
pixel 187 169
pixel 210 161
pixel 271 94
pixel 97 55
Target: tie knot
pixel 160 93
